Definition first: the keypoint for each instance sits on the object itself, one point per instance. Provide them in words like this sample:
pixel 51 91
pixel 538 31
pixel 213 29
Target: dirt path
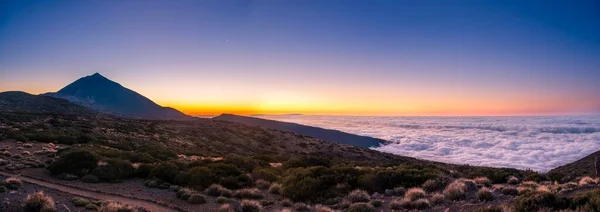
pixel 94 195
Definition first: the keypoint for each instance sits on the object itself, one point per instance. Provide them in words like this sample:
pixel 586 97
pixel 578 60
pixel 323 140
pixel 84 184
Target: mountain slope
pixel 579 168
pixel 21 102
pixel 316 132
pixel 101 94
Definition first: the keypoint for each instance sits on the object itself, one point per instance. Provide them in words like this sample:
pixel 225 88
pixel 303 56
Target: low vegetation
pixel 39 202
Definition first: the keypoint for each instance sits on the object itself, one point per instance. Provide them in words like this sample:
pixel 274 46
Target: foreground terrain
pixel 213 165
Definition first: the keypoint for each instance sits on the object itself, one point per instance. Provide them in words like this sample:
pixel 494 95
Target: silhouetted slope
pixel 21 102
pixel 582 167
pixel 101 94
pixel 316 132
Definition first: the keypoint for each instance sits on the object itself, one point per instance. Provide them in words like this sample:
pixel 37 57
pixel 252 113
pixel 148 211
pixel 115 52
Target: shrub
pixel 222 200
pixel 262 184
pixel 436 199
pixel 508 190
pixel 143 170
pixel 286 203
pixel 88 178
pixel 275 189
pixel 251 206
pixel 512 180
pixel 420 204
pixel 361 207
pixel 400 203
pixel 114 169
pixel 197 199
pixel 184 193
pixel 301 207
pixel 267 174
pixel 536 200
pixel 39 202
pixel 376 203
pixel 485 194
pixel 80 202
pixel 399 191
pixel 92 207
pixel 78 163
pixel 587 180
pixel 415 193
pixel 430 185
pixel 455 191
pixel 165 171
pixel 3 189
pixel 248 194
pixel 218 190
pixel 358 196
pixel 483 181
pixel 13 183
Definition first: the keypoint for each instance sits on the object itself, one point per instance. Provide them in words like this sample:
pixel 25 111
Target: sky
pixel 377 57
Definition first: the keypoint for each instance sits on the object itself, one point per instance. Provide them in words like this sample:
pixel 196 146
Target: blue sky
pixel 322 57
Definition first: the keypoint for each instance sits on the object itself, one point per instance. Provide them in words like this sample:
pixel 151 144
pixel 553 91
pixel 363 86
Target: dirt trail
pixel 94 195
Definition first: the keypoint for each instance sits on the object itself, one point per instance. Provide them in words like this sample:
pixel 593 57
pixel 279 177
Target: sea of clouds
pixel 538 143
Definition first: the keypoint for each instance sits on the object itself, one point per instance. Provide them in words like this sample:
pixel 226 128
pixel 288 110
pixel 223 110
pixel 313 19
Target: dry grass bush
pixel 399 204
pixel 587 180
pixel 420 204
pixel 361 207
pixel 13 183
pixel 112 206
pixel 226 208
pixel 222 200
pixel 358 196
pixel 322 208
pixel 275 189
pixel 485 194
pixel 455 191
pixel 435 185
pixel 529 184
pixel 197 199
pixel 216 190
pixel 415 193
pixel 483 181
pixel 39 202
pixel 512 180
pixel 80 202
pixel 262 184
pixel 509 190
pixel 436 199
pixel 248 193
pixel 251 206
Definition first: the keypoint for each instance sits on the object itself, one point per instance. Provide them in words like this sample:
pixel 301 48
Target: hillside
pixel 579 168
pixel 316 132
pixel 21 102
pixel 101 94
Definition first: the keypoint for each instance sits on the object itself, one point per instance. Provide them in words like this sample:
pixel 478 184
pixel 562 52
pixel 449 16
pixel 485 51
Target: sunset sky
pixel 315 57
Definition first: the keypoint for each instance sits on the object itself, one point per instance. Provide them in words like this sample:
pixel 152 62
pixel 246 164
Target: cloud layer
pixel 539 143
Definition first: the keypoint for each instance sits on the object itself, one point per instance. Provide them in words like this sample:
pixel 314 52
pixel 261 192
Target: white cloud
pixel 539 143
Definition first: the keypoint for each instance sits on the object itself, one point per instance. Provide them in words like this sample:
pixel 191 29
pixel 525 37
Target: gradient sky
pixel 315 57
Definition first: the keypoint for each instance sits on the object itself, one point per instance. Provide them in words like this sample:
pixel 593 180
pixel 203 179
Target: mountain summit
pixel 102 94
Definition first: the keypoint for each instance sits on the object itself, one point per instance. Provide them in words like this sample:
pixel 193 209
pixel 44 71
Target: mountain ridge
pixel 316 132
